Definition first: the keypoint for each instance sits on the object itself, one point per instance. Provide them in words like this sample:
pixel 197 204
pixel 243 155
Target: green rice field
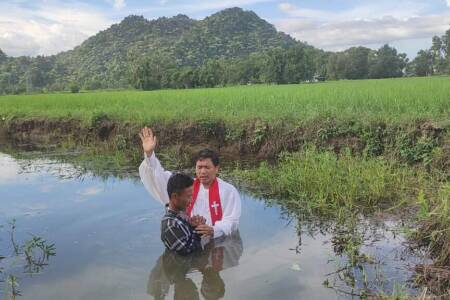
pixel 389 100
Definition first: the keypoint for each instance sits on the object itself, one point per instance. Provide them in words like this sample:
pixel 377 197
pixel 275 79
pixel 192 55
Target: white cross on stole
pixel 215 205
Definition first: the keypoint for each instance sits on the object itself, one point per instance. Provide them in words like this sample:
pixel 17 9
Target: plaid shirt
pixel 178 235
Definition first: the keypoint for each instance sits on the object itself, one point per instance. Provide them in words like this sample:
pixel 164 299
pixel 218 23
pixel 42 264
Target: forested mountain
pixel 103 60
pixel 230 47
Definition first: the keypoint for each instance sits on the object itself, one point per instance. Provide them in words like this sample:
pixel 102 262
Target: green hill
pixel 103 60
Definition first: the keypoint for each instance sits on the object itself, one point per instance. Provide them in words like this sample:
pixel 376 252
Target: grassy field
pixel 389 100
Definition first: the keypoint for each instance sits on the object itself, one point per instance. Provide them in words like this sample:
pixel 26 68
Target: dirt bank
pixel 421 142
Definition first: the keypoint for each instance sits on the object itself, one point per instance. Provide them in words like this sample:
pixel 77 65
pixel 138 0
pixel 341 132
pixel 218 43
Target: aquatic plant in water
pixel 33 254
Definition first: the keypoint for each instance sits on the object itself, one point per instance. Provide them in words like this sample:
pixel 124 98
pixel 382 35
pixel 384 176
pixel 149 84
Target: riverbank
pixel 418 143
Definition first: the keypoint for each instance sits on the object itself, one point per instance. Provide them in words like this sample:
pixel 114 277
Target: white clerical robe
pixel 155 179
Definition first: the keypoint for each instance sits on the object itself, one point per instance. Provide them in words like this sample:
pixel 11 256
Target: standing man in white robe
pixel 214 199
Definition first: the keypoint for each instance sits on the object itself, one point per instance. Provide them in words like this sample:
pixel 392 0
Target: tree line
pixel 275 66
pixel 432 61
pixel 297 64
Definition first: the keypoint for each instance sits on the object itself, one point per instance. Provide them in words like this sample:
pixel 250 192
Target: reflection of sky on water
pixel 9 169
pixel 107 240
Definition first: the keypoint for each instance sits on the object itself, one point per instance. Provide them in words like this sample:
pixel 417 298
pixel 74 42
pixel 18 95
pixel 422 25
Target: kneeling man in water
pixel 212 198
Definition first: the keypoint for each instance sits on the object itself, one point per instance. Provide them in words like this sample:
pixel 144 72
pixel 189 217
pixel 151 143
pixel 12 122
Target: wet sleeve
pixel 155 178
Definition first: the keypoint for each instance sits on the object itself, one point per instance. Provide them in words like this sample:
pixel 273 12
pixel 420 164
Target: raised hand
pixel 148 140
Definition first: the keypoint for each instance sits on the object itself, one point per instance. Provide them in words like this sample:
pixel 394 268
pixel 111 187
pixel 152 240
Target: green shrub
pixel 74 88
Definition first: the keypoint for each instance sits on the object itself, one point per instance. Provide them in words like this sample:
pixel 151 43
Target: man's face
pixel 183 199
pixel 206 171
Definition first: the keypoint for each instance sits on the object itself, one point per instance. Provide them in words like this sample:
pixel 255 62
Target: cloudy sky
pixel 44 27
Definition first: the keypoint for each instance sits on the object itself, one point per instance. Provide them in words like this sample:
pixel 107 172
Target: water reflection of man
pixel 173 270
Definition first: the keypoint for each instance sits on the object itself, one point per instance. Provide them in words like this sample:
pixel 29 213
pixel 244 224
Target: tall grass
pixel 324 182
pixel 340 186
pixel 391 100
pixel 434 229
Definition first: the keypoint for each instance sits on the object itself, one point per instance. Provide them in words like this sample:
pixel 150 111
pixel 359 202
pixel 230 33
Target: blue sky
pixel 44 27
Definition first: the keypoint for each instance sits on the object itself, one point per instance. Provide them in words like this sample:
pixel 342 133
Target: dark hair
pixel 207 153
pixel 178 182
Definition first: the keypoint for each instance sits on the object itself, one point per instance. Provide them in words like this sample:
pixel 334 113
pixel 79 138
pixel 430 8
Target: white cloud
pixel 209 5
pixel 199 6
pixel 295 11
pixel 401 9
pixel 47 29
pixel 388 22
pixel 119 4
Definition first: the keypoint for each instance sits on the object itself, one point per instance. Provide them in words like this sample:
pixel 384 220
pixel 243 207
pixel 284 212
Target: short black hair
pixel 178 182
pixel 208 153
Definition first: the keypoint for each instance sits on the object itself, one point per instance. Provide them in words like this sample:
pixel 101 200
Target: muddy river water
pixel 105 231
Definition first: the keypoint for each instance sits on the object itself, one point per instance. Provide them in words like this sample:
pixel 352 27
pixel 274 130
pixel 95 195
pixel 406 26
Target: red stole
pixel 215 206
